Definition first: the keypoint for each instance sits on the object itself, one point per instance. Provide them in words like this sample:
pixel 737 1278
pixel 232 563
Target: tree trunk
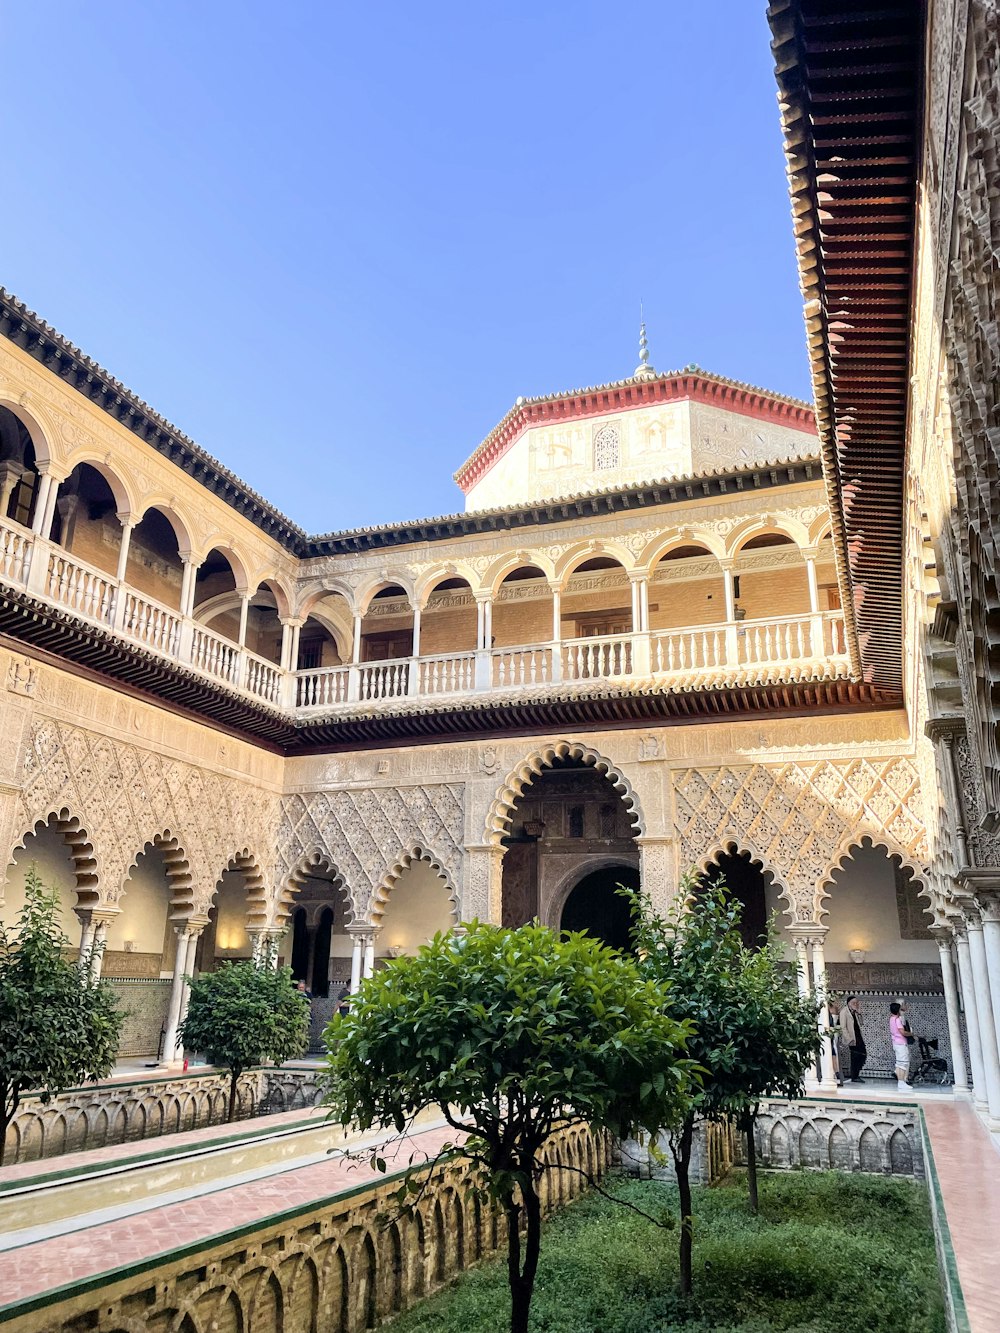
pixel 522 1278
pixel 10 1100
pixel 681 1153
pixel 234 1078
pixel 749 1119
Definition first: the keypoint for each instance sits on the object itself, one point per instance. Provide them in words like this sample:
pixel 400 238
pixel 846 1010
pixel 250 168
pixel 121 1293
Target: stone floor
pixel 968 1168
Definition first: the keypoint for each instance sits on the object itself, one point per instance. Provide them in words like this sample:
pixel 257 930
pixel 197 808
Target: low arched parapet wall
pixel 502 807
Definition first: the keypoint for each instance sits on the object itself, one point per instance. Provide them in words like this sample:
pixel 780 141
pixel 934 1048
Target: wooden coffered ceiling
pixel 849 76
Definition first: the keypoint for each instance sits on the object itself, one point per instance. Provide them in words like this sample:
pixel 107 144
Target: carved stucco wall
pixel 799 818
pixel 363 834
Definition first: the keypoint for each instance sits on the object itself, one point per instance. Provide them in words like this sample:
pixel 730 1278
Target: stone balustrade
pixel 691 657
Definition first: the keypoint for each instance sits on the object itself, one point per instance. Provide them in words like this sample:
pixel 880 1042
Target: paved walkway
pixel 968 1167
pixel 69 1259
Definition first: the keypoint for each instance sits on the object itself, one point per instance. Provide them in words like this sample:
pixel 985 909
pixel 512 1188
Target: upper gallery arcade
pixel 221 728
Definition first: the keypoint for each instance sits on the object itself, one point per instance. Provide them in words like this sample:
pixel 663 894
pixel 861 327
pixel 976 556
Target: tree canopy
pixel 245 1013
pixel 59 1025
pixel 515 1034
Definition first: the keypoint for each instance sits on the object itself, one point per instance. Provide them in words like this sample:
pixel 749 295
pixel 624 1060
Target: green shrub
pixel 828 1251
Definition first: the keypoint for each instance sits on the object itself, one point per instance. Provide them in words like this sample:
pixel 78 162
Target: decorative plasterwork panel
pixel 361 834
pixel 125 796
pixel 798 819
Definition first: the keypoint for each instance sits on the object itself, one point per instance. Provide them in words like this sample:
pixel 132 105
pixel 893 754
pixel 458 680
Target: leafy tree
pixel 718 985
pixel 774 1040
pixel 59 1026
pixel 245 1013
pixel 515 1034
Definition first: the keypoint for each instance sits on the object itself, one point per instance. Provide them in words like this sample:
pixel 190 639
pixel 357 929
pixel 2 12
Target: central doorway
pixel 596 906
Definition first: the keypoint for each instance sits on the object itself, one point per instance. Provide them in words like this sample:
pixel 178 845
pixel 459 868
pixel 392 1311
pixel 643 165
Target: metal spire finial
pixel 643 371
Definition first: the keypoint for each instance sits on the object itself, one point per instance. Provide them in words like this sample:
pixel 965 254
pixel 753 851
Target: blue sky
pixel 333 242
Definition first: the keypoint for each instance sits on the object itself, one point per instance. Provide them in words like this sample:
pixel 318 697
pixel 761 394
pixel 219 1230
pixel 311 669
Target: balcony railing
pixel 691 655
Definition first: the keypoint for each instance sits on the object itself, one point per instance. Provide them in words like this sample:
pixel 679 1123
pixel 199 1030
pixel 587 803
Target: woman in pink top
pixel 899 1030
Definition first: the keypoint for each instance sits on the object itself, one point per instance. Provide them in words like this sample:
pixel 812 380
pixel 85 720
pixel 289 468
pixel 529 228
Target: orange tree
pixel 515 1035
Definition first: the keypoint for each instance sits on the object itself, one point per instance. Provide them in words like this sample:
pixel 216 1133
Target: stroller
pixel 932 1068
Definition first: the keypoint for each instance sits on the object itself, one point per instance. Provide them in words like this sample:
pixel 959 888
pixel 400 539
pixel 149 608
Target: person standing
pixel 850 1025
pixel 901 1037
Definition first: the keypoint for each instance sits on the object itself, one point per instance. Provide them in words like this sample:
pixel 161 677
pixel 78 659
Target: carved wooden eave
pixel 849 75
pixel 58 637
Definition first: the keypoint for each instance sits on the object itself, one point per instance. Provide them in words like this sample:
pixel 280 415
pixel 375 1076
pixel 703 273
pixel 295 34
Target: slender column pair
pixel 362 953
pixel 188 934
pixel 806 942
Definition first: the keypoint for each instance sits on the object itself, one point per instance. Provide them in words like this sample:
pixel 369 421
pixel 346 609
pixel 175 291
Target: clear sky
pixel 333 242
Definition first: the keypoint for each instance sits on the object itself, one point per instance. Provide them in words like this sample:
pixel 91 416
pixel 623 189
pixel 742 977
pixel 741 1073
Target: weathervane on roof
pixel 643 371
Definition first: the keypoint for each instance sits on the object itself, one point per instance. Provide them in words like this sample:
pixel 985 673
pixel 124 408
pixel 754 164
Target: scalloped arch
pixel 874 838
pixel 498 818
pixel 730 844
pixel 380 898
pixel 79 848
pixel 247 863
pixel 315 858
pixel 178 871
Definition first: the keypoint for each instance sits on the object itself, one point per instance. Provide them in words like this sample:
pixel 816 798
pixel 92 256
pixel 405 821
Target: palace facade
pixel 681 622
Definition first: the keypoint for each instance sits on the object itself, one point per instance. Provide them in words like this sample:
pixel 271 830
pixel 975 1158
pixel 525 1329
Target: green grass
pixel 829 1253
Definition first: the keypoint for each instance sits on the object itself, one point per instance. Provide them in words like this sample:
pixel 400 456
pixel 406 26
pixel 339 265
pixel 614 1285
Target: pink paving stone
pixel 37 1268
pixel 968 1167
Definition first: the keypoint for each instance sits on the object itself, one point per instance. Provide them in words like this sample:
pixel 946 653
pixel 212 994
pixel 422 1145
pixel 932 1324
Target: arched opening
pixel 317 946
pixel 18 471
pixel 387 626
pixel 521 629
pixel 686 587
pixel 264 630
pixel 141 941
pixel 154 565
pixel 568 822
pixel 769 578
pixel 418 907
pixel 318 644
pixel 597 907
pixel 596 600
pixel 86 522
pixel 235 906
pixel 48 849
pixel 216 600
pixel 448 637
pixel 752 887
pixel 875 909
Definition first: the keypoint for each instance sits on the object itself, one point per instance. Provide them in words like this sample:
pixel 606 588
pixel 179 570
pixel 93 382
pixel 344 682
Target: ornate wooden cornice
pixel 849 75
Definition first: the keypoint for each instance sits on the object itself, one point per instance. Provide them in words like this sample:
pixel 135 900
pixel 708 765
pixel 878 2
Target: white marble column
pixel 244 616
pixel 357 955
pixel 176 995
pixel 100 944
pixel 415 651
pixel 355 641
pixel 805 989
pixel 86 935
pixel 45 486
pixel 828 1077
pixel 943 935
pixel 984 1011
pixel 128 525
pixel 192 948
pixel 368 967
pixel 971 1015
pixel 187 585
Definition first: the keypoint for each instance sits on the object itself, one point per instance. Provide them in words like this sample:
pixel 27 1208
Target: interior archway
pixel 596 906
pixel 751 886
pixel 566 823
